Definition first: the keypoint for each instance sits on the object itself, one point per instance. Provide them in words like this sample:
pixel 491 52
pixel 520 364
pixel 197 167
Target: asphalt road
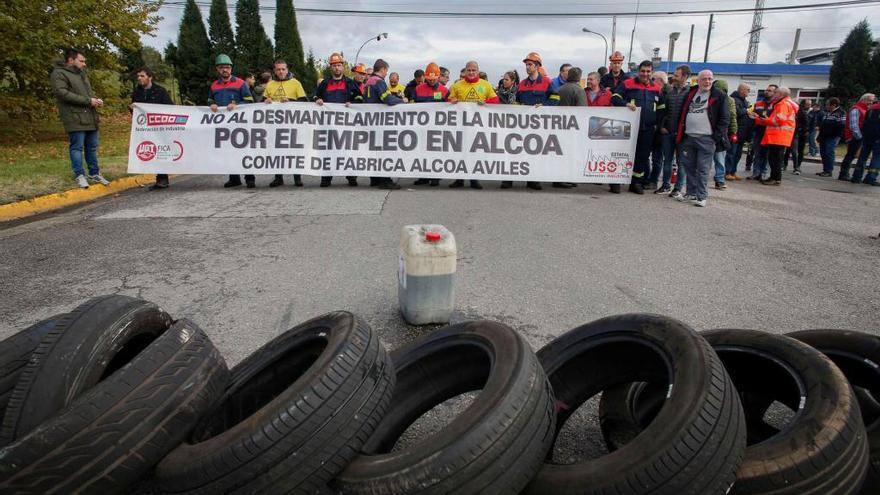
pixel 246 265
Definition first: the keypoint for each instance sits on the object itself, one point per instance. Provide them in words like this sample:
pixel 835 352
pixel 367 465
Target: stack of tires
pixel 95 400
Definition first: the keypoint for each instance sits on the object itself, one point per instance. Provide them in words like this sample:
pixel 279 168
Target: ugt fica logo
pixel 156 119
pixel 147 151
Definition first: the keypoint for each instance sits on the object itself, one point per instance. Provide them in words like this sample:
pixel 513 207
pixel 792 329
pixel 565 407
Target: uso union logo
pixel 147 151
pixel 158 119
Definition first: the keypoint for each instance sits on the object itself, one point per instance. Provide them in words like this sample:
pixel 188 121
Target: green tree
pixel 153 59
pixel 35 31
pixel 220 29
pixel 254 47
pixel 288 44
pixel 851 71
pixel 193 63
pixel 875 73
pixel 130 61
pixel 309 77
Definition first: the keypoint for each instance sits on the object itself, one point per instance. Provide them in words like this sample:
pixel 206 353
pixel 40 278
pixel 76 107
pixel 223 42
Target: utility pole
pixel 792 58
pixel 755 39
pixel 709 37
pixel 613 35
pixel 691 43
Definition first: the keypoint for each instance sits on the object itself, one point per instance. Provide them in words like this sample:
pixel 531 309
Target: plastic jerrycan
pixel 426 275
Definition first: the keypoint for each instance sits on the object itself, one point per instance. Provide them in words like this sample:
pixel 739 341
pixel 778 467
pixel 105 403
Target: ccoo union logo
pixel 147 151
pixel 157 119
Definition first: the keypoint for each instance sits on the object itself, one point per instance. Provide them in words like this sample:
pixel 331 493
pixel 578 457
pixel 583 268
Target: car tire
pixel 494 446
pixel 84 347
pixel 823 448
pixel 857 354
pixel 113 433
pixel 15 352
pixel 696 443
pixel 295 413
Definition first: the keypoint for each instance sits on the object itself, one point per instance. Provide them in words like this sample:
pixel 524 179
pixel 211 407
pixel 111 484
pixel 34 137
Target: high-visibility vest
pixel 780 124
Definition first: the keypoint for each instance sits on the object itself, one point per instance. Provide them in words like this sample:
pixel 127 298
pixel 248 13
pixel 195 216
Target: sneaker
pixel 277 181
pixel 720 186
pixel 797 171
pixel 100 179
pixel 663 189
pixel 823 174
pixel 393 186
pixel 682 198
pixel 82 182
pixel 700 202
pixel 675 194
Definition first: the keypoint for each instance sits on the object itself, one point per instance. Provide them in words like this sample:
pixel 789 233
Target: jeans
pixel 697 154
pixel 662 159
pixel 720 166
pixel 869 147
pixel 814 147
pixel 759 166
pixel 828 158
pixel 852 151
pixel 731 159
pixel 89 140
pixel 681 180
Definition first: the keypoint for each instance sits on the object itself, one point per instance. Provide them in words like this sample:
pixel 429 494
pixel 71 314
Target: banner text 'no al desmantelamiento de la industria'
pixel 432 140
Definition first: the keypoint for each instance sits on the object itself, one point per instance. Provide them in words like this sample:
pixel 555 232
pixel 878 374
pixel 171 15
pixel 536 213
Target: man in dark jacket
pixel 801 136
pixel 338 88
pixel 77 107
pixel 816 116
pixel 146 91
pixel 702 129
pixel 743 130
pixel 678 91
pixel 410 90
pixel 642 92
pixel 614 78
pixel 830 131
pixel 229 91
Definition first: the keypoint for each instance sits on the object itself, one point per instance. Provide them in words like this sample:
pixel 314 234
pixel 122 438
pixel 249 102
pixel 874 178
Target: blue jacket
pixel 376 91
pixel 344 90
pixel 556 83
pixel 649 97
pixel 225 92
pixel 538 91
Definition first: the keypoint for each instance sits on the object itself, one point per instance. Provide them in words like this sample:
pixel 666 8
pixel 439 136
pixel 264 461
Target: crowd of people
pixel 687 132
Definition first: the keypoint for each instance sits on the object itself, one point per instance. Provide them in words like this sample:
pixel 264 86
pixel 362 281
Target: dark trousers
pixel 162 179
pixel 642 162
pixel 852 152
pixel 802 141
pixel 247 178
pixel 775 155
pixel 795 152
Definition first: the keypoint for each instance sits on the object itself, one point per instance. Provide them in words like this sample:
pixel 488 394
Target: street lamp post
pixel 605 60
pixel 378 37
pixel 673 37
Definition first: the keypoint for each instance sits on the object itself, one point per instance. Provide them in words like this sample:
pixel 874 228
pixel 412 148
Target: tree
pixel 220 29
pixel 153 59
pixel 253 45
pixel 34 32
pixel 193 63
pixel 876 74
pixel 309 77
pixel 851 71
pixel 288 44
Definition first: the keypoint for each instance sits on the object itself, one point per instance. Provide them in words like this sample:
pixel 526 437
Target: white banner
pixel 430 140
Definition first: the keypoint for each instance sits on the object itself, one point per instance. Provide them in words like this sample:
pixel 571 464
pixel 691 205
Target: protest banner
pixel 431 140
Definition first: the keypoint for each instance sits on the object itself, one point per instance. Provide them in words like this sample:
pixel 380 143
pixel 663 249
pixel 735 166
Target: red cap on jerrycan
pixel 433 236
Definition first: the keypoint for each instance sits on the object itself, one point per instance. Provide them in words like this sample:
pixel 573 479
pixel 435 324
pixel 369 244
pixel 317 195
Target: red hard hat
pixel 533 57
pixel 616 57
pixel 360 69
pixel 335 58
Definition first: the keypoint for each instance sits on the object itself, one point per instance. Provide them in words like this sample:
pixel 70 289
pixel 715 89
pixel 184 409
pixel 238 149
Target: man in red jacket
pixel 852 134
pixel 597 96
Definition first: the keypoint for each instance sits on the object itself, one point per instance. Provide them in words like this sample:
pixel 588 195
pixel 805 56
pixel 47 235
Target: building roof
pixel 809 52
pixel 753 69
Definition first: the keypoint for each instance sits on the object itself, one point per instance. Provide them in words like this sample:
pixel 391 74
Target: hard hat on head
pixel 223 59
pixel 533 57
pixel 616 57
pixel 432 72
pixel 336 58
pixel 360 69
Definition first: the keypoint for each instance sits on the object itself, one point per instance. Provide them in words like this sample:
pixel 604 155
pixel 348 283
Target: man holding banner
pixel 338 89
pixel 376 91
pixel 642 92
pixel 471 88
pixel 228 91
pixel 283 88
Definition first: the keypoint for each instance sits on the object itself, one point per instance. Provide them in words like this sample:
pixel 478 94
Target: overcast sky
pixel 499 44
